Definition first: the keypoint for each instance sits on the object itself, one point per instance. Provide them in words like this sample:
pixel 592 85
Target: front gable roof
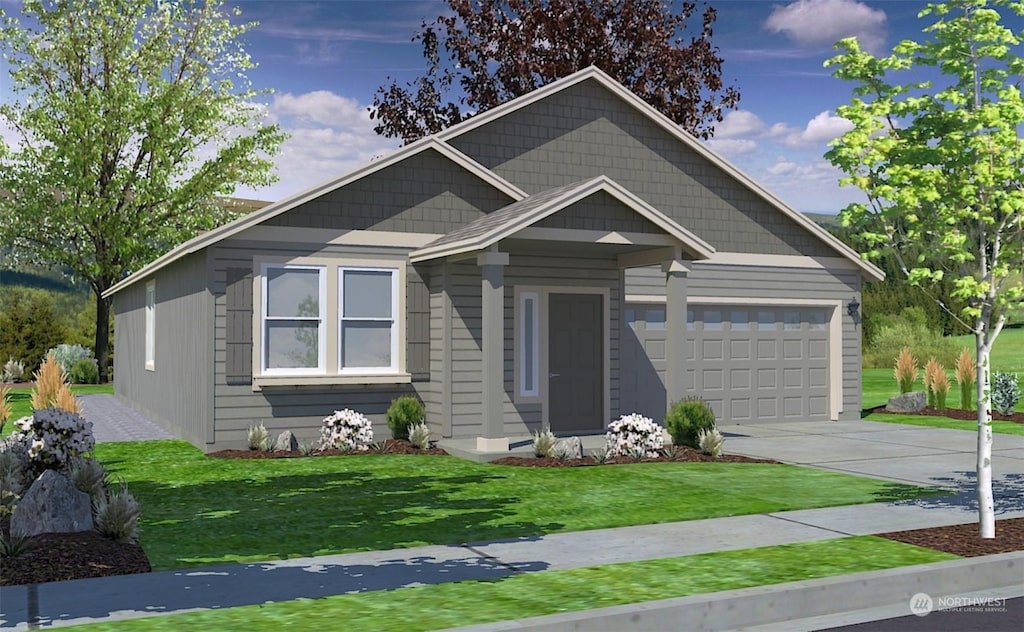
pixel 508 221
pixel 598 76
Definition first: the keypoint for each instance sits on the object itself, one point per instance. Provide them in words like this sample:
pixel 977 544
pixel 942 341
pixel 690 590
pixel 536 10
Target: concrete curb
pixel 791 602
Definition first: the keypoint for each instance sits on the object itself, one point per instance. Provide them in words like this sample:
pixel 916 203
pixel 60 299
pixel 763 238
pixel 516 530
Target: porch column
pixel 492 302
pixel 675 322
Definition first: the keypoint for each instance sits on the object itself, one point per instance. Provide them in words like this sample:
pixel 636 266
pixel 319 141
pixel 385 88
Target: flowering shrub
pixel 1005 392
pixel 631 434
pixel 346 430
pixel 67 355
pixel 54 437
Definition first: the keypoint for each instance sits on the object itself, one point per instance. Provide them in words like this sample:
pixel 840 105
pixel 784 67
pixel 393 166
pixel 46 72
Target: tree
pixel 941 162
pixel 133 116
pixel 502 49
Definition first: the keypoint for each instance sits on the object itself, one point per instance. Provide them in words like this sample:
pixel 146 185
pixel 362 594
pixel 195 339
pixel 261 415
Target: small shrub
pixel 544 442
pixel 1005 392
pixel 906 370
pixel 632 433
pixel 88 475
pixel 603 455
pixel 966 377
pixel 380 447
pixel 403 413
pixel 307 448
pixel 54 437
pixel 710 441
pixel 12 481
pixel 671 453
pixel 687 418
pixel 257 437
pixel 931 371
pixel 940 387
pixel 419 436
pixel 14 545
pixel 13 371
pixel 67 356
pixel 84 372
pixel 346 430
pixel 890 340
pixel 117 514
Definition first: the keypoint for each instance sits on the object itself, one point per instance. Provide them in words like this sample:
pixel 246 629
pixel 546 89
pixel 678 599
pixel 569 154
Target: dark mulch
pixel 683 454
pixel 54 557
pixel 953 413
pixel 963 540
pixel 392 446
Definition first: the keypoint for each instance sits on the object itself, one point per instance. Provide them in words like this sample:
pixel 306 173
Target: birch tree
pixel 133 117
pixel 936 148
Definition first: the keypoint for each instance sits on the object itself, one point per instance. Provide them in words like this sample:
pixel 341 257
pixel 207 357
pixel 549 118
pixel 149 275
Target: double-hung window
pixel 293 319
pixel 367 334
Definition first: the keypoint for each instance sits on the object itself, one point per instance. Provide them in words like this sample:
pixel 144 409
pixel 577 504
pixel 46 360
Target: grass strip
pixel 998 427
pixel 442 606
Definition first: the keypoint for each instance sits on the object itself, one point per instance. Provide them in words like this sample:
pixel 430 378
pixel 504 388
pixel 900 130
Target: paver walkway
pixel 82 601
pixel 114 420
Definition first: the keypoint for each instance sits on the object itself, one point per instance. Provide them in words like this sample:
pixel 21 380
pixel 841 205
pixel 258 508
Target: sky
pixel 324 61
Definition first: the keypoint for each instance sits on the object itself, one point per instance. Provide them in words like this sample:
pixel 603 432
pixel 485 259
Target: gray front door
pixel 575 362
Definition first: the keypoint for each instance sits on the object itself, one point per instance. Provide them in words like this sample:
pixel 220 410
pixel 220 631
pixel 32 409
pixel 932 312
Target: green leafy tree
pixel 941 162
pixel 133 116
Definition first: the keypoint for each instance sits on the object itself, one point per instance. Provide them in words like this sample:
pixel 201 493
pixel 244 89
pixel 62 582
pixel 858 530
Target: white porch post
pixel 675 321
pixel 492 300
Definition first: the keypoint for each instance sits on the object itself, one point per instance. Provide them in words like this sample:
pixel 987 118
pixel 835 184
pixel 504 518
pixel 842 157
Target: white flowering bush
pixel 346 430
pixel 630 435
pixel 54 437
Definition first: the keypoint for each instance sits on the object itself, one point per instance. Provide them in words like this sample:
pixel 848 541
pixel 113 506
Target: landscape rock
pixel 571 447
pixel 907 403
pixel 52 504
pixel 286 442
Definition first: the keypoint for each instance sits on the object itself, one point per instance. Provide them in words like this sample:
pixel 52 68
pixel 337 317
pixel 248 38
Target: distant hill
pixel 824 220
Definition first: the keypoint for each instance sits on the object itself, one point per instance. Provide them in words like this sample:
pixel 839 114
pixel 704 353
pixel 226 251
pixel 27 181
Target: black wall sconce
pixel 852 308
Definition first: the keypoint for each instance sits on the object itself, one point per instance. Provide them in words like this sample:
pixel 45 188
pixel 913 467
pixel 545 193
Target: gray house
pixel 559 260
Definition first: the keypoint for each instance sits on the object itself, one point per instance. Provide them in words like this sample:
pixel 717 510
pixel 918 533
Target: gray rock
pixel 286 442
pixel 907 403
pixel 52 504
pixel 572 448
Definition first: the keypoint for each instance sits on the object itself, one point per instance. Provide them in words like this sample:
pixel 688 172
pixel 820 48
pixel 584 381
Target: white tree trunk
pixel 986 504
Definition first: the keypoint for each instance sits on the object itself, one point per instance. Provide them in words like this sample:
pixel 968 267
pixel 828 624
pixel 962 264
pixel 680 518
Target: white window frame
pixel 529 357
pixel 342 319
pixel 264 319
pixel 150 335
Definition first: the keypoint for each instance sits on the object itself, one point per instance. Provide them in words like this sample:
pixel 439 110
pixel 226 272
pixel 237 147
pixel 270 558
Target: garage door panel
pixel 793 407
pixel 712 380
pixel 739 409
pixel 767 407
pixel 792 349
pixel 792 378
pixel 739 349
pixel 817 349
pixel 739 379
pixel 817 406
pixel 712 349
pixel 656 349
pixel 817 378
pixel 767 350
pixel 767 378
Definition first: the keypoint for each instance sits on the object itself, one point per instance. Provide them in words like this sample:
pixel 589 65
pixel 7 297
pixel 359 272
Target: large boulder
pixel 52 504
pixel 907 403
pixel 286 442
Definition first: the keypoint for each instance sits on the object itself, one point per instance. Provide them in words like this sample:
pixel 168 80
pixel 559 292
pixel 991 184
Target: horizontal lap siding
pixel 178 393
pixel 585 131
pixel 524 269
pixel 302 409
pixel 774 283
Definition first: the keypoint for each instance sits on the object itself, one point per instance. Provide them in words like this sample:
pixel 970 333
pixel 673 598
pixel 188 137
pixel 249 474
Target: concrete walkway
pixel 885 448
pixel 114 420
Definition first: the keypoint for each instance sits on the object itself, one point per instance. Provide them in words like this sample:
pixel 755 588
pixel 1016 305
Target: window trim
pixel 341 319
pixel 265 319
pixel 150 326
pixel 523 362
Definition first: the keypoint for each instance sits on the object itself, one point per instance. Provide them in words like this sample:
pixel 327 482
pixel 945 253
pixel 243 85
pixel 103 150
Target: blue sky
pixel 324 60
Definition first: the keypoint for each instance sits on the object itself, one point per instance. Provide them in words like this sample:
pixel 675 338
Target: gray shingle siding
pixel 426 193
pixel 603 212
pixel 586 131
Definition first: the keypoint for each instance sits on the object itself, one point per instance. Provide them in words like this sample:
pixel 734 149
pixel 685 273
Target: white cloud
pixel 739 123
pixel 818 131
pixel 329 134
pixel 732 146
pixel 815 23
pixel 782 167
pixel 811 186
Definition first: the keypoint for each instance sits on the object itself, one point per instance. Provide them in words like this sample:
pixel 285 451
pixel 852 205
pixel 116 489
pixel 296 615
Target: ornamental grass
pixel 906 370
pixel 940 387
pixel 931 371
pixel 966 377
pixel 52 389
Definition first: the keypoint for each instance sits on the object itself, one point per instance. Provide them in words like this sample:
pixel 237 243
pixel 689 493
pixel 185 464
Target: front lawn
pixel 440 606
pixel 200 510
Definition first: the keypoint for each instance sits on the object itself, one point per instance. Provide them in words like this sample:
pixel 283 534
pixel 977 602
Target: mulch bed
pixel 953 413
pixel 392 446
pixel 963 540
pixel 683 454
pixel 53 557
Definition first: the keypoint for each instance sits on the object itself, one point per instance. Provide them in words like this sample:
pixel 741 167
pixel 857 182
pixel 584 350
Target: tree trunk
pixel 986 505
pixel 102 333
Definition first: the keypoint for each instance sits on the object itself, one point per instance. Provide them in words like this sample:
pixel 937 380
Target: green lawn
pixel 1008 352
pixel 21 403
pixel 200 510
pixel 440 606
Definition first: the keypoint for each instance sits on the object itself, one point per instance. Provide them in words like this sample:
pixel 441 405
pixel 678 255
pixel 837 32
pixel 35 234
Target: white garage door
pixel 750 363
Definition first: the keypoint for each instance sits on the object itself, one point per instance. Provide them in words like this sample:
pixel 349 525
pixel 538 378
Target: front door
pixel 575 362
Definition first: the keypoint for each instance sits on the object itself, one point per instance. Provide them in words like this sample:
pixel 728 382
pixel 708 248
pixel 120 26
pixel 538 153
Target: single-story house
pixel 559 260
